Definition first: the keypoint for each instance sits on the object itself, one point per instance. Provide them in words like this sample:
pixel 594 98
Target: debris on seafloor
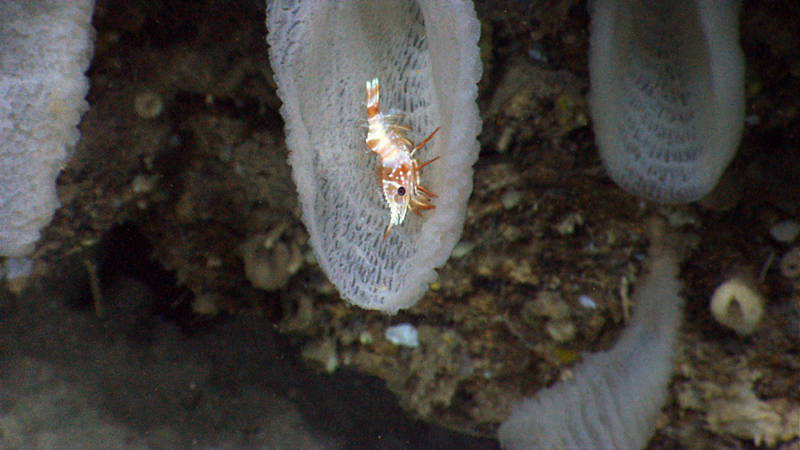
pixel 550 306
pixel 436 369
pixel 736 410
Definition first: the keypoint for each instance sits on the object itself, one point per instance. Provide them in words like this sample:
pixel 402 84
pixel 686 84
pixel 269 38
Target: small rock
pixel 587 302
pixel 322 354
pixel 403 334
pixel 148 105
pixel 550 304
pixel 537 52
pixel 511 199
pixel 571 112
pixel 505 139
pixel 785 231
pixel 521 271
pixel 739 412
pixel 561 330
pixel 568 224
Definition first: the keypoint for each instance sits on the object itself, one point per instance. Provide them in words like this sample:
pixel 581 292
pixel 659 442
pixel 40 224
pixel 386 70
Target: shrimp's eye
pixel 401 191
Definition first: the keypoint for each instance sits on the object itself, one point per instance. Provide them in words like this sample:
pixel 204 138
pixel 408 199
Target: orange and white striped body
pixel 399 172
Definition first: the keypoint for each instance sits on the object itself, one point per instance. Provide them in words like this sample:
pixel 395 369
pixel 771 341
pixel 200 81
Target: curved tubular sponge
pixel 45 48
pixel 615 397
pixel 667 94
pixel 426 56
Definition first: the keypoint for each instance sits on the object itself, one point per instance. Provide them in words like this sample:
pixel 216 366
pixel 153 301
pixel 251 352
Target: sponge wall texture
pixel 45 48
pixel 426 56
pixel 667 94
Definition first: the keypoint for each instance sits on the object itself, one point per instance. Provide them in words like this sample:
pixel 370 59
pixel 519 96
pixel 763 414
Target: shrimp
pixel 399 171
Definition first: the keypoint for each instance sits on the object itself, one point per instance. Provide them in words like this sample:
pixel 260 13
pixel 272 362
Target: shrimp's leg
pixel 417 205
pixel 419 167
pixel 389 228
pixel 422 144
pixel 398 127
pixel 425 191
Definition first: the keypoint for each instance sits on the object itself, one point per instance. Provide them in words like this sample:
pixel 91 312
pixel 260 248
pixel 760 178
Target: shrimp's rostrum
pixel 399 171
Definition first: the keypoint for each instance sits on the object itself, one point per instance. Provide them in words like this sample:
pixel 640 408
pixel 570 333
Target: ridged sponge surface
pixel 667 94
pixel 45 48
pixel 426 57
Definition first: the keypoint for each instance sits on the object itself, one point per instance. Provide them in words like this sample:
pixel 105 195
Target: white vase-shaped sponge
pixel 667 94
pixel 45 48
pixel 426 56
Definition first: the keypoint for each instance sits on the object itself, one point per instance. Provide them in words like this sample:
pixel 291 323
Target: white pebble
pixel 403 334
pixel 587 302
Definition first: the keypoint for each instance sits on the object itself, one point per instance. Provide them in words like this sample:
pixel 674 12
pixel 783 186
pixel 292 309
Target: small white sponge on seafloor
pixel 738 305
pixel 45 48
